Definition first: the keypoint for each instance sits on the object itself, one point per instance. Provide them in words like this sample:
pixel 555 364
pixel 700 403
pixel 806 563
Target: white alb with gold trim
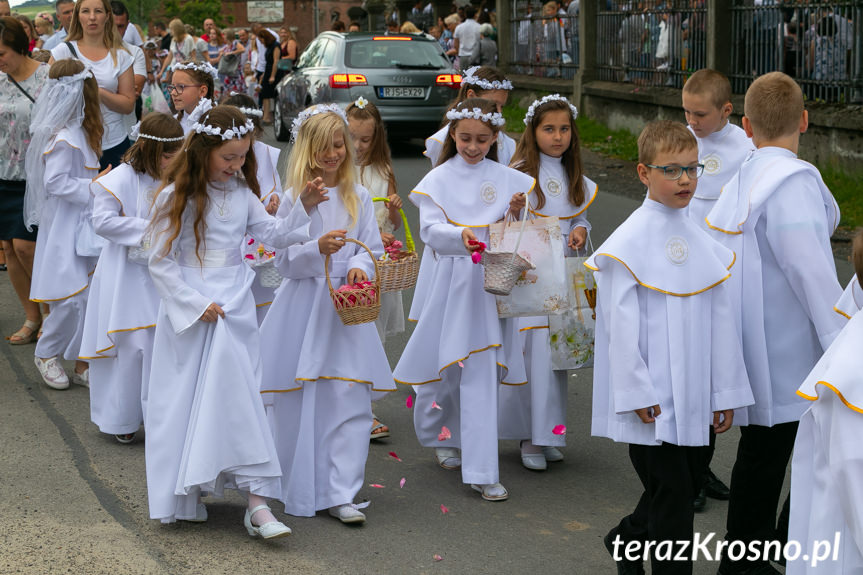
pixel 851 299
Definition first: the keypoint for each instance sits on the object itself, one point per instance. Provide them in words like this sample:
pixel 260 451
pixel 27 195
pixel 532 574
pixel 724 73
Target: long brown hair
pixel 92 124
pixel 449 149
pixel 243 100
pixel 526 156
pixel 145 155
pixel 110 36
pixel 190 174
pixel 379 156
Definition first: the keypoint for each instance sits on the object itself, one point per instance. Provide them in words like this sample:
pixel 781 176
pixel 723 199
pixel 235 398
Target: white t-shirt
pixel 108 77
pixel 131 35
pixel 467 34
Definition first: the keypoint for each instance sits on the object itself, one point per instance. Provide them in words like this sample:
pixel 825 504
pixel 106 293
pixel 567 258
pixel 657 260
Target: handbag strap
pixel 23 91
pixel 520 234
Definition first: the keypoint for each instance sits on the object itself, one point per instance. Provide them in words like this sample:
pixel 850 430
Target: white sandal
pixel 270 530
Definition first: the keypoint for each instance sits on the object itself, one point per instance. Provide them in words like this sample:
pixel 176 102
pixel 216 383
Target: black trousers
pixel 756 483
pixel 671 476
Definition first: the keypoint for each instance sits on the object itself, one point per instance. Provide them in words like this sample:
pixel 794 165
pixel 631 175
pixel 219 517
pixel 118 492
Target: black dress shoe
pixel 727 567
pixel 714 488
pixel 624 566
pixel 700 501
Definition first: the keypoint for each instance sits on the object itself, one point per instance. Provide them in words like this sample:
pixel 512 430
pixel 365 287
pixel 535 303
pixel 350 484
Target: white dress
pixel 532 411
pixel 206 426
pixel 851 299
pixel 826 496
pixel 665 331
pixel 722 154
pixel 391 319
pixel 268 179
pixel 123 302
pixel 458 324
pixel 777 216
pixel 60 275
pixel 319 373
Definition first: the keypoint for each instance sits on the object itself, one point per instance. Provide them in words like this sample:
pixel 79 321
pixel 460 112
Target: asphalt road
pixel 74 501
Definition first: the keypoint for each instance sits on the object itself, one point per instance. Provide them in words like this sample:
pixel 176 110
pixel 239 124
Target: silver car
pixel 408 77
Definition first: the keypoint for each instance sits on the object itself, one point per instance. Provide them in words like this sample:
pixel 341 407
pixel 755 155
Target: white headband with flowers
pixel 470 78
pixel 314 111
pixel 229 134
pixel 493 118
pixel 251 111
pixel 135 133
pixel 204 67
pixel 545 100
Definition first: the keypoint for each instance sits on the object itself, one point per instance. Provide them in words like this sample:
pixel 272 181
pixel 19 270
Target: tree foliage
pixel 193 12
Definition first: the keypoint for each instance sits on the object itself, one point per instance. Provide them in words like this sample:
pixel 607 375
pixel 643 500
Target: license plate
pixel 401 92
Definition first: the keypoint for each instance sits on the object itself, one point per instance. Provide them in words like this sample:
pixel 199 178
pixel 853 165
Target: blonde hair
pixel 409 28
pixel 110 36
pixel 315 136
pixel 178 30
pixel 707 82
pixel 664 136
pixel 774 106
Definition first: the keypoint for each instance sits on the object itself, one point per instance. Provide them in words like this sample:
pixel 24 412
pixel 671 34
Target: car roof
pixel 354 36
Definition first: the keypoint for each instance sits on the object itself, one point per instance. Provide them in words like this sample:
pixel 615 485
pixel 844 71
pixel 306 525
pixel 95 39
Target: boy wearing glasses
pixel 778 216
pixel 669 362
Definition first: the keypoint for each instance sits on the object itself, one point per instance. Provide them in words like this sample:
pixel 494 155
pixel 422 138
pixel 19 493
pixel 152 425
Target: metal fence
pixel 545 40
pixel 651 43
pixel 817 43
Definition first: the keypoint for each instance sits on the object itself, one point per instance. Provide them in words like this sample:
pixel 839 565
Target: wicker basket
pixel 268 275
pixel 351 313
pixel 502 269
pixel 400 274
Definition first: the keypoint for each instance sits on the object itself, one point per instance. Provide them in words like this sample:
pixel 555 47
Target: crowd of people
pixel 145 244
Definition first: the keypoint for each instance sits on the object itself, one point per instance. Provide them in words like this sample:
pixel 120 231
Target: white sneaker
pixel 52 372
pixel 347 513
pixel 552 454
pixel 81 378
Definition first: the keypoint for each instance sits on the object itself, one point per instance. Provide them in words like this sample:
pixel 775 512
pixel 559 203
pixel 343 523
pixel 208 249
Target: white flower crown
pixel 493 118
pixel 230 133
pixel 203 106
pixel 204 67
pixel 135 133
pixel 469 78
pixel 544 100
pixel 314 111
pixel 251 111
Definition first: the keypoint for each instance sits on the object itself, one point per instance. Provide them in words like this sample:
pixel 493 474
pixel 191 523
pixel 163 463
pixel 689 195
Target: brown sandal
pixel 27 334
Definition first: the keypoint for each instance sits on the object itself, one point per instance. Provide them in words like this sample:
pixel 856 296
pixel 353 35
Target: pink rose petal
pixel 559 430
pixel 402 482
pixel 436 406
pixel 251 241
pixel 376 485
pixel 460 364
pixel 409 402
pixel 443 509
pixel 394 456
pixel 444 434
pixel 437 557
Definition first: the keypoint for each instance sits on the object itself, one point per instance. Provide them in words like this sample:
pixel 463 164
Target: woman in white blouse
pixel 93 39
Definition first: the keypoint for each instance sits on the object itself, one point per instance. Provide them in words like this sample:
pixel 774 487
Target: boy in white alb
pixel 722 146
pixel 778 216
pixel 826 497
pixel 668 362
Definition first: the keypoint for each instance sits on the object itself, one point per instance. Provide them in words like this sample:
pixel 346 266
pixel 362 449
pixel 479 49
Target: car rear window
pixel 395 54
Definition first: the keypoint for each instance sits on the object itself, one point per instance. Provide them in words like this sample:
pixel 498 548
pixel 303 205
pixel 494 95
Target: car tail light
pixel 347 80
pixel 449 80
pixel 392 38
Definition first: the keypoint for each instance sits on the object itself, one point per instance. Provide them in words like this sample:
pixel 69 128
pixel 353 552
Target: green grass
pixel 848 191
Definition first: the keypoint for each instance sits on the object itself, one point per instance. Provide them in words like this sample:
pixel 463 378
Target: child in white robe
pixel 62 160
pixel 206 426
pixel 375 173
pixel 778 216
pixel 319 374
pixel 192 91
pixel 271 188
pixel 460 351
pixel 550 152
pixel 722 146
pixel 669 363
pixel 123 302
pixel 826 502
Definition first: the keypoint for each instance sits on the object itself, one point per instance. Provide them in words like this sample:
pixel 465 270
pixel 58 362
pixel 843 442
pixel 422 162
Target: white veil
pixel 59 105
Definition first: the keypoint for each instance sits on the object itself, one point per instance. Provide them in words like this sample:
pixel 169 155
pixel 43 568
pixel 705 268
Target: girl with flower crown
pixel 375 173
pixel 62 160
pixel 192 91
pixel 460 351
pixel 550 152
pixel 123 303
pixel 319 374
pixel 206 426
pixel 478 82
